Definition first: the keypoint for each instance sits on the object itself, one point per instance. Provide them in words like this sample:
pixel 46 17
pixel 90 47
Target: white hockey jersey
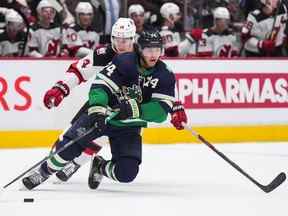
pixel 90 38
pixel 85 68
pixel 214 44
pixel 49 41
pixel 10 47
pixel 259 26
pixel 170 39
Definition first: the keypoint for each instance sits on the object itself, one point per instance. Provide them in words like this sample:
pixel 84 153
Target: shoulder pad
pixel 164 67
pixel 167 67
pixel 126 63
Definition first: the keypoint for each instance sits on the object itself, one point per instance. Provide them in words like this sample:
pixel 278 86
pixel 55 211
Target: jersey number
pixel 110 69
pixel 149 81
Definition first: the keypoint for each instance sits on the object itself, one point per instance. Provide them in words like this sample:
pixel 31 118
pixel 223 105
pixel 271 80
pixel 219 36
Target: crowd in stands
pixel 193 28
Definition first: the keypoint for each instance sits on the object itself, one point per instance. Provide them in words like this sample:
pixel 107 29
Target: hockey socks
pixel 54 164
pixel 123 170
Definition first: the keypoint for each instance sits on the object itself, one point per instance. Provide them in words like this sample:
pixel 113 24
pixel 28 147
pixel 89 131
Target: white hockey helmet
pixel 43 4
pixel 124 28
pixel 84 7
pixel 221 13
pixel 13 16
pixel 135 8
pixel 168 9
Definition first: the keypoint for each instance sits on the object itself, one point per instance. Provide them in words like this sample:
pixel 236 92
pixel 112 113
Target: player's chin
pixel 152 63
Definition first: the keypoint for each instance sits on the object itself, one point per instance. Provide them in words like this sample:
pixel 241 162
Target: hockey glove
pixel 178 115
pixel 55 95
pixel 128 109
pixel 97 116
pixel 266 45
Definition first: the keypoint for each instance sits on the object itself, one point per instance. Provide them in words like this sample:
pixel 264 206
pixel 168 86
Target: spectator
pixel 13 37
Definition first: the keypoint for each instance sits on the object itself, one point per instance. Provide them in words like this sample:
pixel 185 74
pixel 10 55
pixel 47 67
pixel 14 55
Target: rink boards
pixel 227 101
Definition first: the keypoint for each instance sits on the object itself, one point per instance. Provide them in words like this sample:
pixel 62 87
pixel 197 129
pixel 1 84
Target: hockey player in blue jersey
pixel 122 40
pixel 141 88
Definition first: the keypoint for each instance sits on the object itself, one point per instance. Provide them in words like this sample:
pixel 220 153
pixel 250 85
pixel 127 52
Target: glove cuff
pixel 64 88
pixel 134 108
pixel 97 110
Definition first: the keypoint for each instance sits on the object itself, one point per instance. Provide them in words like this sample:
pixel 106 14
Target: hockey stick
pixel 279 179
pixel 51 155
pixel 272 34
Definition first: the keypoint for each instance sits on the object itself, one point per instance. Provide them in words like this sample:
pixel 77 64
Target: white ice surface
pixel 173 180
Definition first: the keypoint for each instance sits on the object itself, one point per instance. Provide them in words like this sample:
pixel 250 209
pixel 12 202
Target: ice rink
pixel 173 180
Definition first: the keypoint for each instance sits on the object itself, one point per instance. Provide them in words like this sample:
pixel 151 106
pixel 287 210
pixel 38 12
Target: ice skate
pixel 36 178
pixel 68 171
pixel 95 176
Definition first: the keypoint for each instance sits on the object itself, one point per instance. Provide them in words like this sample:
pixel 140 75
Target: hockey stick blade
pixel 274 184
pixel 266 188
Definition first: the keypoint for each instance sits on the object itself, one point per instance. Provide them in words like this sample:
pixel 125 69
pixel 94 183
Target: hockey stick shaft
pixel 266 188
pixel 51 155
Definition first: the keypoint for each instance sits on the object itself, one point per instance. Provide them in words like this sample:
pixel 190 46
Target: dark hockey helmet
pixel 150 38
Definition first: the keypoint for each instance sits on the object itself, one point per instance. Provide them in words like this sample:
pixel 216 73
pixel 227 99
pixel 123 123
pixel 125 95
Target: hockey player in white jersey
pixel 122 40
pixel 264 31
pixel 171 14
pixel 137 13
pixel 83 30
pixel 217 41
pixel 47 36
pixel 13 37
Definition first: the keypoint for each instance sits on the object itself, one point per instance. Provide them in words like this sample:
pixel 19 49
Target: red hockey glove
pixel 267 45
pixel 196 34
pixel 55 95
pixel 178 115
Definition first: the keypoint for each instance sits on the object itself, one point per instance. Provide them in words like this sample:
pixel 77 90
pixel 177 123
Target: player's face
pixel 138 19
pixel 13 28
pixel 85 19
pixel 271 5
pixel 151 56
pixel 47 14
pixel 123 45
pixel 221 24
pixel 177 17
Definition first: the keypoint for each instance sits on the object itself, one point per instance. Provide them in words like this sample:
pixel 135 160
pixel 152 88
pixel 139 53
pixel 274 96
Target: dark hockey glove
pixel 97 116
pixel 128 109
pixel 54 96
pixel 178 116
